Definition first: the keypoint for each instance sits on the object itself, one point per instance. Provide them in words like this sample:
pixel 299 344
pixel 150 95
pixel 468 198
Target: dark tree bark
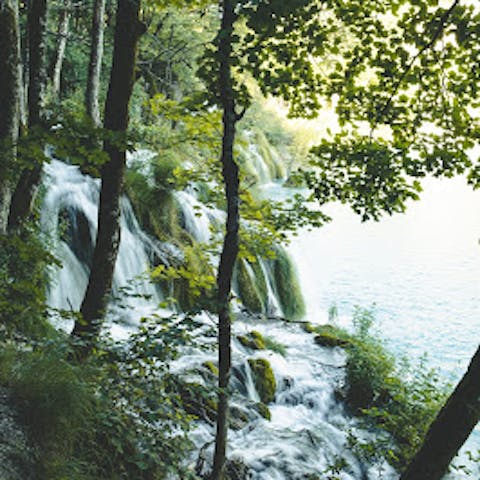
pixel 450 430
pixel 62 35
pixel 29 181
pixel 127 32
pixel 230 244
pixel 9 101
pixel 95 64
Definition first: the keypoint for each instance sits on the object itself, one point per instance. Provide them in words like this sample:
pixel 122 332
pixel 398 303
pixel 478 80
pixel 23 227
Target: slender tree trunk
pixel 95 64
pixel 127 32
pixel 29 181
pixel 230 244
pixel 62 35
pixel 450 429
pixel 9 101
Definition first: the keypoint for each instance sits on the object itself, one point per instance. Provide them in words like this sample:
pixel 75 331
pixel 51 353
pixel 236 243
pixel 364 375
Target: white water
pixel 70 191
pixel 420 269
pixel 414 272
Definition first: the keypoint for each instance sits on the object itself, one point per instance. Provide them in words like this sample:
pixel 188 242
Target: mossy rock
pixel 238 418
pixel 211 367
pixel 263 410
pixel 253 340
pixel 286 285
pixel 263 378
pixel 331 340
pixel 251 284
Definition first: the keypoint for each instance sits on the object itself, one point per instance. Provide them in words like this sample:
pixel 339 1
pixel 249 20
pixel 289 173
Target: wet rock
pixel 331 340
pixel 263 410
pixel 288 382
pixel 237 469
pixel 263 378
pixel 75 232
pixel 253 340
pixel 239 418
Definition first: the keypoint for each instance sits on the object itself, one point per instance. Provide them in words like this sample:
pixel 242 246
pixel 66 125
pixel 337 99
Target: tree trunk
pixel 127 32
pixel 29 181
pixel 95 64
pixel 62 34
pixel 9 101
pixel 230 244
pixel 450 429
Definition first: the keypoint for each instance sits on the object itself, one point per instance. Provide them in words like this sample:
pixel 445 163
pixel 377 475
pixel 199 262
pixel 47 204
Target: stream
pixel 420 269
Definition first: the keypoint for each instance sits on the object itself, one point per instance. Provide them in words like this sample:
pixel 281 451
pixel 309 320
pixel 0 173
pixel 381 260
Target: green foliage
pixel 263 378
pixel 24 263
pixel 400 401
pixel 118 416
pixel 193 281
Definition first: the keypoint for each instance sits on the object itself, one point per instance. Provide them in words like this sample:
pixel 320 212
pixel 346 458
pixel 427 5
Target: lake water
pixel 420 269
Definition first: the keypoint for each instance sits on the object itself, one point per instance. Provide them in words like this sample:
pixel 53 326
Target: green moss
pixel 331 340
pixel 263 378
pixel 275 346
pixel 253 340
pixel 287 286
pixel 211 367
pixel 263 410
pixel 252 287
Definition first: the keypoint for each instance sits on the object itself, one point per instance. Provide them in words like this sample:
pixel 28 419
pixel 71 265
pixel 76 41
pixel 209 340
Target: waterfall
pixel 69 216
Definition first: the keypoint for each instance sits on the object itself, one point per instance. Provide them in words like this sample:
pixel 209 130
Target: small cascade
pixel 308 430
pixel 69 216
pixel 198 220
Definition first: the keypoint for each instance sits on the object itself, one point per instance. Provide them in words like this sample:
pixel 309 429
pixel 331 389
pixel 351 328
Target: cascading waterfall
pixel 308 430
pixel 69 216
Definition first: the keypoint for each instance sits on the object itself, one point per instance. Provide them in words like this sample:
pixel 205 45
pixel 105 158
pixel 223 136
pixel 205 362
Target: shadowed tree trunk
pixel 127 32
pixel 95 64
pixel 29 181
pixel 9 101
pixel 450 430
pixel 62 35
pixel 230 244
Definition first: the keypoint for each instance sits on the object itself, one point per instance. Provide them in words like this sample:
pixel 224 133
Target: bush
pixel 114 417
pixel 400 401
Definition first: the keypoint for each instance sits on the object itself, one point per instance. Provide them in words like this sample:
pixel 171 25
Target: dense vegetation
pixel 402 80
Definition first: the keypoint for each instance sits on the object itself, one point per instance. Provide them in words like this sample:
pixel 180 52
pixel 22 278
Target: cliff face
pixel 17 459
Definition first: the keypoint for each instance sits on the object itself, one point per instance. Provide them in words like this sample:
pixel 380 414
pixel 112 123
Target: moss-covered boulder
pixel 286 285
pixel 263 378
pixel 253 340
pixel 331 340
pixel 263 410
pixel 251 285
pixel 329 335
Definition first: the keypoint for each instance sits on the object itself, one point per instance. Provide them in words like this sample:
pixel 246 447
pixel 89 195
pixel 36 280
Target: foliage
pixel 116 417
pixel 398 399
pixel 24 260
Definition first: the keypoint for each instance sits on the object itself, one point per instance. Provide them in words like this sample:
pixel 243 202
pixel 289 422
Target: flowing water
pixel 421 270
